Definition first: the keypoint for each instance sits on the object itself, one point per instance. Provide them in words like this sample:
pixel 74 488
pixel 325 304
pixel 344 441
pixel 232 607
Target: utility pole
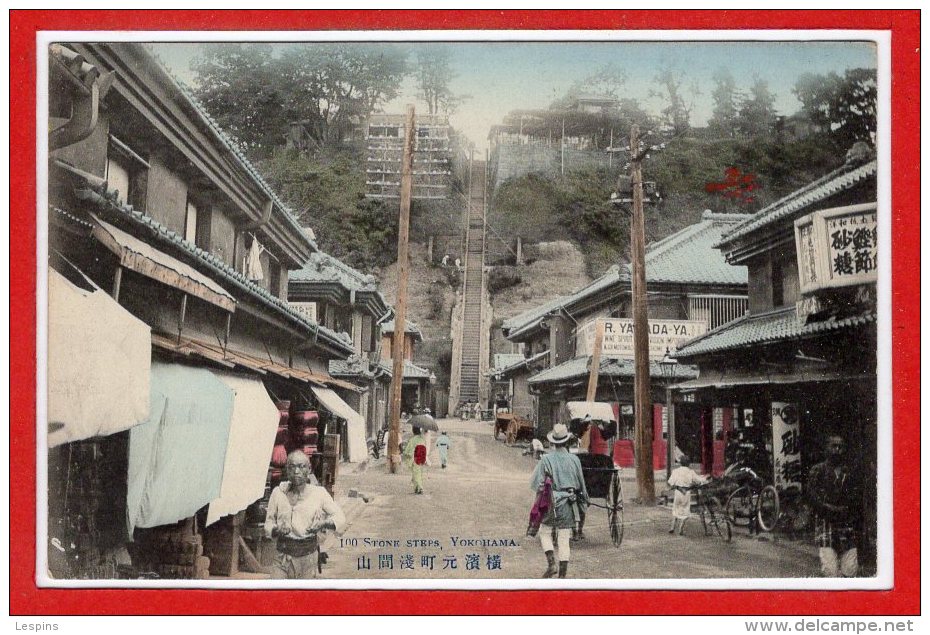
pixel 403 271
pixel 641 389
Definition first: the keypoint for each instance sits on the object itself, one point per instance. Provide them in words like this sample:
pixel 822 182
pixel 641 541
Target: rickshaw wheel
pixel 719 519
pixel 739 506
pixel 768 508
pixel 615 510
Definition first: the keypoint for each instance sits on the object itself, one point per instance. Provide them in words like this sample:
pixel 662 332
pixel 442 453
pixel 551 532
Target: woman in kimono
pixel 568 496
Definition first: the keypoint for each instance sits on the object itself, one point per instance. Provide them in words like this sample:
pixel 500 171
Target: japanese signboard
pixel 306 309
pixel 837 247
pixel 664 335
pixel 786 444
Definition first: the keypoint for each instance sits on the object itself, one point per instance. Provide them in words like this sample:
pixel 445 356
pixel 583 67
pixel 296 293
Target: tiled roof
pixel 766 328
pixel 230 145
pixel 357 366
pixel 690 256
pixel 833 183
pixel 412 371
pixel 610 367
pixel 107 201
pixel 409 327
pixel 322 267
pixel 529 319
pixel 686 257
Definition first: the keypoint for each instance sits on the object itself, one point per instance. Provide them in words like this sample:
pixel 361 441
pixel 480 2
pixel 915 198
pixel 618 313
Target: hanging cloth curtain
pixel 176 457
pixel 355 423
pixel 99 357
pixel 253 262
pixel 248 452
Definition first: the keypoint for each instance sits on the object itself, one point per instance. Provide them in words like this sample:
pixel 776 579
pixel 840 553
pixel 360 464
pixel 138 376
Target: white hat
pixel 559 434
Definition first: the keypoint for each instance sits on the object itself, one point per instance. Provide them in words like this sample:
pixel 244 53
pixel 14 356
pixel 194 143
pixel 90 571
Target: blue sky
pixel 503 76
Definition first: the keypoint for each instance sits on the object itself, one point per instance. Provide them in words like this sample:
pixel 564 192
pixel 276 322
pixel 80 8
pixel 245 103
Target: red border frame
pixel 904 598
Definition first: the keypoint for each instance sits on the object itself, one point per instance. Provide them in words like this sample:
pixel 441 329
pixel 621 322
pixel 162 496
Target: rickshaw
pixel 515 427
pixel 601 476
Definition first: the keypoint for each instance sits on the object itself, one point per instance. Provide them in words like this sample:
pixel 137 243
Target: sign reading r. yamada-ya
pixel 664 335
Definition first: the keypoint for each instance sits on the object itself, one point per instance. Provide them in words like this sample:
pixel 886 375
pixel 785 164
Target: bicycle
pixel 712 513
pixel 753 504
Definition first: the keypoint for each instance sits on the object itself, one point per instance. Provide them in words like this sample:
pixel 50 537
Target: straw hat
pixel 559 434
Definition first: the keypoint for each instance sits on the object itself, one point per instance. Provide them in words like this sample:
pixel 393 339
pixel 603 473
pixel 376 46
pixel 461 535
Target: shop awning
pixel 231 359
pixel 358 446
pixel 99 359
pixel 248 452
pixel 144 259
pixel 177 456
pixel 726 379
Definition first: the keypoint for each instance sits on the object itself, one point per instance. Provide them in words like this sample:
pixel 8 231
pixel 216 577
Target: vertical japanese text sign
pixel 837 247
pixel 786 446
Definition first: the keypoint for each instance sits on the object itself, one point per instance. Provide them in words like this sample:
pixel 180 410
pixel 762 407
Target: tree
pixel 255 91
pixel 845 106
pixel 757 113
pixel 726 104
pixel 676 116
pixel 434 74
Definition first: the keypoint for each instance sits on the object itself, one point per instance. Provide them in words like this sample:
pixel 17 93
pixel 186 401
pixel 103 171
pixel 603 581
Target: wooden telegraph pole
pixel 641 388
pixel 403 271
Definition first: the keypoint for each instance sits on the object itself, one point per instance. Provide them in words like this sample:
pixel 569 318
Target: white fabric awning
pixel 248 451
pixel 598 410
pixel 99 360
pixel 358 446
pixel 143 258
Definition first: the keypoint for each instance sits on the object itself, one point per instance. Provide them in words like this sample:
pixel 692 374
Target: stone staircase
pixel 470 346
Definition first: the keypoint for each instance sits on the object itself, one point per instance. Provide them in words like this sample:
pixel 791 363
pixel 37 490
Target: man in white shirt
pixel 297 512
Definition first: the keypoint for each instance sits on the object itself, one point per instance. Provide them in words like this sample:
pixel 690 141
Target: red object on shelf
pixel 281 436
pixel 279 455
pixel 304 417
pixel 309 450
pixel 308 434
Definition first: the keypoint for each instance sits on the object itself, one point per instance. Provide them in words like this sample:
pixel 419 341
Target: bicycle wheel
pixel 615 510
pixel 739 507
pixel 718 519
pixel 768 508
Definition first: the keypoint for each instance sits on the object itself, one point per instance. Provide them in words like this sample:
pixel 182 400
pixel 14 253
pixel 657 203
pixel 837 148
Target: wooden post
pixel 593 376
pixel 670 417
pixel 519 251
pixel 429 250
pixel 641 387
pixel 400 317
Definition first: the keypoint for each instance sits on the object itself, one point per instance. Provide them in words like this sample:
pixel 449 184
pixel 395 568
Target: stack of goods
pixel 304 431
pixel 281 445
pixel 172 552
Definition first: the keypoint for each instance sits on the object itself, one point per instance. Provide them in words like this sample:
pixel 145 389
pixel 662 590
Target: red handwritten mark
pixel 736 185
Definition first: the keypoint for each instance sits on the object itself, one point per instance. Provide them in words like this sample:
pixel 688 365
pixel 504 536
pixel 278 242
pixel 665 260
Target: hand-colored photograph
pixel 524 312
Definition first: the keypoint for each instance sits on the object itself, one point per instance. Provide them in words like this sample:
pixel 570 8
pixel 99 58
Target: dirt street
pixel 471 523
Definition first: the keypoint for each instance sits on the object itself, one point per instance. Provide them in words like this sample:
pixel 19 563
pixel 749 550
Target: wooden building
pixel 691 288
pixel 417 389
pixel 348 301
pixel 802 363
pixel 172 348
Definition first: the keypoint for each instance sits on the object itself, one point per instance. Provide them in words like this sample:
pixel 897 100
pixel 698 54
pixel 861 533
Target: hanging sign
pixel 786 445
pixel 306 309
pixel 664 335
pixel 837 247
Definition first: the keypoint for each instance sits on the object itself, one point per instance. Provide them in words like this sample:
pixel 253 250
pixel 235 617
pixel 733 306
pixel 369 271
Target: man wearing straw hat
pixel 569 496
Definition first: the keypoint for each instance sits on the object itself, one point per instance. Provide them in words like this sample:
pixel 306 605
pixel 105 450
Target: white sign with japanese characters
pixel 786 444
pixel 837 247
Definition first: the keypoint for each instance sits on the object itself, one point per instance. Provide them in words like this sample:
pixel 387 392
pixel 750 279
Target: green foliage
pixel 576 206
pixel 502 277
pixel 255 91
pixel 846 105
pixel 434 74
pixel 757 114
pixel 329 189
